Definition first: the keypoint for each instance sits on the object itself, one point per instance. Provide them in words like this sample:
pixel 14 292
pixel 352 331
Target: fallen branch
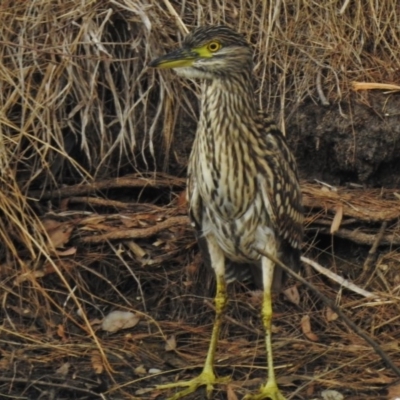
pixel 374 86
pixel 138 233
pixel 370 205
pixel 364 238
pixel 124 182
pixel 120 205
pixel 339 279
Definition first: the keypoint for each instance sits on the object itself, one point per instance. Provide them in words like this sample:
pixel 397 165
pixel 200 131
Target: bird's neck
pixel 228 101
pixel 219 162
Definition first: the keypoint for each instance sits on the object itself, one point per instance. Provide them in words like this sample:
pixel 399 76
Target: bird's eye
pixel 214 46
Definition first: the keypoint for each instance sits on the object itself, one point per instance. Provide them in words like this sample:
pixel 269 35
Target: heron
pixel 243 189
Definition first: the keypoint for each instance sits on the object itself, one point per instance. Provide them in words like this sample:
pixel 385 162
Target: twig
pixel 324 100
pixel 378 350
pixel 365 205
pixel 178 19
pixel 99 202
pixel 38 382
pixel 374 247
pixel 126 181
pixel 372 85
pixel 327 185
pixel 137 233
pixel 339 279
pixel 344 6
pixel 364 238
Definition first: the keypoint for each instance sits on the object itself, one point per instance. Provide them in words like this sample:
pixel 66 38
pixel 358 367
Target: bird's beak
pixel 176 59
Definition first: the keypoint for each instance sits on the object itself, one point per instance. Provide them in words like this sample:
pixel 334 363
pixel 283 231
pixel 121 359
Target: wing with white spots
pixel 282 187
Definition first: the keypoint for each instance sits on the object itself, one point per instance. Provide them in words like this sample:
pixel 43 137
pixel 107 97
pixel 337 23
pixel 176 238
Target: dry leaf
pixel 306 329
pixel 144 391
pixel 355 348
pixel 170 344
pixel 51 224
pixel 292 294
pixel 230 394
pixel 5 363
pixel 97 362
pixel 330 315
pixel 153 371
pixel 64 369
pixel 68 252
pixel 48 268
pixel 136 249
pixel 140 370
pixel 61 332
pixel 118 320
pixel 310 390
pixel 28 276
pixel 130 222
pixel 331 395
pixel 337 219
pixel 60 235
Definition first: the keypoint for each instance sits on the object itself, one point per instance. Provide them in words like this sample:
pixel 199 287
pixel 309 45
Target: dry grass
pixel 78 107
pixel 141 256
pixel 77 101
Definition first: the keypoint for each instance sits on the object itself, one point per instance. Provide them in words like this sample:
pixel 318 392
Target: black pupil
pixel 213 46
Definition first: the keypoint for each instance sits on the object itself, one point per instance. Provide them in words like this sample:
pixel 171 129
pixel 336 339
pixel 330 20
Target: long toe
pixel 206 378
pixel 268 391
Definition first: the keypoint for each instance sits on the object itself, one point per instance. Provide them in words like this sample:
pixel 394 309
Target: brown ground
pixel 77 102
pixel 174 298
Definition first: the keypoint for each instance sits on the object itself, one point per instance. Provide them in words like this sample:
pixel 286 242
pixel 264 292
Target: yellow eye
pixel 214 46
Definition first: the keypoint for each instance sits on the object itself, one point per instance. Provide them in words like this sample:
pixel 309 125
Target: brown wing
pixel 282 184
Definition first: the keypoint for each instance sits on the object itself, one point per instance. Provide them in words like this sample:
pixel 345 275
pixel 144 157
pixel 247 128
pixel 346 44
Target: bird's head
pixel 208 53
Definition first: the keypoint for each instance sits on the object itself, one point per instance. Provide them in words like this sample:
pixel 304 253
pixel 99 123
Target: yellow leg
pixel 207 377
pixel 270 390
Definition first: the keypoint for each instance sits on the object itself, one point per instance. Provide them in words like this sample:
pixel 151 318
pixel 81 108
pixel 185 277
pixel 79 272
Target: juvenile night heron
pixel 243 189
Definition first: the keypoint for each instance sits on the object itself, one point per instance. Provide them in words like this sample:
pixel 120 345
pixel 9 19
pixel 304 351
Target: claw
pixel 268 391
pixel 206 378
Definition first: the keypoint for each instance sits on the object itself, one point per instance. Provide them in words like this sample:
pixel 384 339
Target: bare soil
pixel 353 142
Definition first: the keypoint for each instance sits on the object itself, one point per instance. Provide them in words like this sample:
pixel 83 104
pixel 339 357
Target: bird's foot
pixel 268 391
pixel 206 378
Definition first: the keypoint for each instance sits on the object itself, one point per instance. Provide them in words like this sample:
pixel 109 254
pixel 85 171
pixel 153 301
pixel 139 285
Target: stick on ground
pixel 338 311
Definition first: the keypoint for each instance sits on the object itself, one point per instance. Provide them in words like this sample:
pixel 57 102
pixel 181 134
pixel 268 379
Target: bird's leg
pixel 207 376
pixel 270 390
